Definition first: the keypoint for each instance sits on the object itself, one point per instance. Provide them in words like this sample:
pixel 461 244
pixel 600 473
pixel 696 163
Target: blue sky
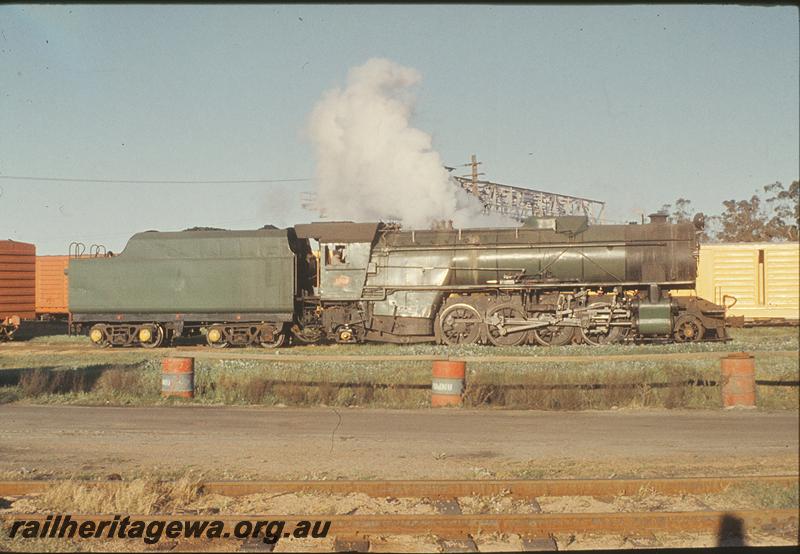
pixel 633 105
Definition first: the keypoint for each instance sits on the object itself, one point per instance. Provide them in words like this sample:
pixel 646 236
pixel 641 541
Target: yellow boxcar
pixel 762 277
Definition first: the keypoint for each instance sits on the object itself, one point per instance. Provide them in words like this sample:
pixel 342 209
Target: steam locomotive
pixel 552 281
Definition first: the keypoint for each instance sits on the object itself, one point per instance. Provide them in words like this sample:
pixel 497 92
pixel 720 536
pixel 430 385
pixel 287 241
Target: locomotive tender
pixel 552 281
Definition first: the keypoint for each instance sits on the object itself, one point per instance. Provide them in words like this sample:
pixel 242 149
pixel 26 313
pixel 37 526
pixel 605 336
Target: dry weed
pixel 39 381
pixel 140 496
pixel 120 381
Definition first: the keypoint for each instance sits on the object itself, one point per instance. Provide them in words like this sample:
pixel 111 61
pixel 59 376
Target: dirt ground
pixel 194 442
pixel 327 443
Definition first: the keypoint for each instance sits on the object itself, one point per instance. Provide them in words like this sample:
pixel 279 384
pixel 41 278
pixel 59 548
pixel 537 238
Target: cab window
pixel 335 254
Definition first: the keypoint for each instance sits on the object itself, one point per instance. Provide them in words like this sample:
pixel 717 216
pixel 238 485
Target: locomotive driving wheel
pixel 688 328
pixel 611 335
pixel 553 335
pixel 498 333
pixel 460 324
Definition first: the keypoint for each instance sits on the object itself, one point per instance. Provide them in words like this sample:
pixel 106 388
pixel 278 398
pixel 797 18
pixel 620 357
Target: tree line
pixel 769 216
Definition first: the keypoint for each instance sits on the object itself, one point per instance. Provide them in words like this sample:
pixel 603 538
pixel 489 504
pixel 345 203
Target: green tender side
pixel 189 272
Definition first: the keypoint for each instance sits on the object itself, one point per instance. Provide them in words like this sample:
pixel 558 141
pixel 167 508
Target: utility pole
pixel 474 163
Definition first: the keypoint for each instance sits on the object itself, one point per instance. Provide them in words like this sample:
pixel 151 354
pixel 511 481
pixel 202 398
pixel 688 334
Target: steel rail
pixel 518 488
pixel 534 525
pixel 449 488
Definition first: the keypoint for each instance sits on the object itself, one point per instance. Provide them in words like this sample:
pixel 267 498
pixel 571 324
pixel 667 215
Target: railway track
pixel 535 530
pixel 446 488
pixel 202 352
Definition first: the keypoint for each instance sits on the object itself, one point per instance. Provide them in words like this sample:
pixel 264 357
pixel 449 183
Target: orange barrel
pixel 738 380
pixel 177 377
pixel 447 385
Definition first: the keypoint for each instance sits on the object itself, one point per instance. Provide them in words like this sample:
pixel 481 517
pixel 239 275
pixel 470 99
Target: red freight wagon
pixel 17 285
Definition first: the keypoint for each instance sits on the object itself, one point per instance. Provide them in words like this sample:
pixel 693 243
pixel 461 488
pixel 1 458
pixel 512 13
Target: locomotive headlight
pixel 96 335
pixel 145 335
pixel 214 335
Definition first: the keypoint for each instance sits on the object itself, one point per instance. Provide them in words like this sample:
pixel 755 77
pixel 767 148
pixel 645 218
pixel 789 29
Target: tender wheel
pixel 688 328
pixel 553 335
pixel 276 341
pixel 460 324
pixel 307 335
pixel 98 336
pixel 151 336
pixel 215 337
pixel 614 335
pixel 494 333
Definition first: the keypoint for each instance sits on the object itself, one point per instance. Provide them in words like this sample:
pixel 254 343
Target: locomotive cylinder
pixel 655 319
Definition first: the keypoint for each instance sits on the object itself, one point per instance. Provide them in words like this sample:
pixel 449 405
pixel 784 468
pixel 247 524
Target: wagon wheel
pixel 553 335
pixel 153 339
pixel 460 324
pixel 214 337
pixel 277 340
pixel 503 312
pixel 99 337
pixel 614 335
pixel 688 328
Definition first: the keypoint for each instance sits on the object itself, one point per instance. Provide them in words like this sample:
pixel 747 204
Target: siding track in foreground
pixel 450 524
pixel 522 488
pixel 460 525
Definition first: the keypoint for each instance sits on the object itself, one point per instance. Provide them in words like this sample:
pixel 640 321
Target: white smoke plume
pixel 373 165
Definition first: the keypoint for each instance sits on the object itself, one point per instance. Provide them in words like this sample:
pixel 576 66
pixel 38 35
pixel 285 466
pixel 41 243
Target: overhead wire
pixel 153 181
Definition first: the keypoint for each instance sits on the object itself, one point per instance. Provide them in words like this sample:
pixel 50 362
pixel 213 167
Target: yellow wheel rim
pixel 96 335
pixel 214 335
pixel 145 335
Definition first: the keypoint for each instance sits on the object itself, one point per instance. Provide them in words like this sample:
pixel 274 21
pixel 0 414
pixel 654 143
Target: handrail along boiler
pixel 552 281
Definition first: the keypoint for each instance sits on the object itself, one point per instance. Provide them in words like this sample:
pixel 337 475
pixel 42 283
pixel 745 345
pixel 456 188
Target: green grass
pixel 247 382
pixel 133 377
pixel 754 496
pixel 59 339
pixel 483 381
